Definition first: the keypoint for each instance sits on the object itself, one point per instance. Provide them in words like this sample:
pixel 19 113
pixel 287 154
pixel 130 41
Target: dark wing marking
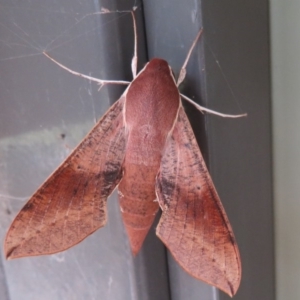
pixel 71 204
pixel 194 225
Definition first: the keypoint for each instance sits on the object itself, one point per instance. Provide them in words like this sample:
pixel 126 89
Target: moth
pixel 144 146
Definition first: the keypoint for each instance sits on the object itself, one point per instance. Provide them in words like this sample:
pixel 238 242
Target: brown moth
pixel 144 146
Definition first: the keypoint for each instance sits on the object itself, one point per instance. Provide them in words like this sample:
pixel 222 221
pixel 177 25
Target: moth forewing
pixel 194 225
pixel 71 203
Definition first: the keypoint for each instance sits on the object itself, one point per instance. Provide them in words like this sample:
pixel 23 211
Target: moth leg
pixel 182 72
pixel 100 81
pixel 202 109
pixel 134 61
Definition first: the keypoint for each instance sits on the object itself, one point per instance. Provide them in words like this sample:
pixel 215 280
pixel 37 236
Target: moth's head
pixel 158 65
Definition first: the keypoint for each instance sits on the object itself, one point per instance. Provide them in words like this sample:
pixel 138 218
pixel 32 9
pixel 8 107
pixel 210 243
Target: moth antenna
pixel 100 81
pixel 202 109
pixel 134 61
pixel 182 72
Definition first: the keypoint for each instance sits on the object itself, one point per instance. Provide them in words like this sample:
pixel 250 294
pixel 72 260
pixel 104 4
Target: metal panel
pixel 285 45
pixel 229 72
pixel 45 112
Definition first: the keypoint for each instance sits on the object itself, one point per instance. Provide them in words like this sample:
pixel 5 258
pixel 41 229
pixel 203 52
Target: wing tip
pixel 230 287
pixel 230 290
pixel 9 253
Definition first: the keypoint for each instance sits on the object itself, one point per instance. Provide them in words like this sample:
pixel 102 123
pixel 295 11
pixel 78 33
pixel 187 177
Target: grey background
pixel 285 46
pixel 228 72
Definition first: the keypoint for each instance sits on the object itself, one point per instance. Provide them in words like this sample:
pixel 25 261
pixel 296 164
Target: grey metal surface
pixel 44 113
pixel 229 72
pixel 3 284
